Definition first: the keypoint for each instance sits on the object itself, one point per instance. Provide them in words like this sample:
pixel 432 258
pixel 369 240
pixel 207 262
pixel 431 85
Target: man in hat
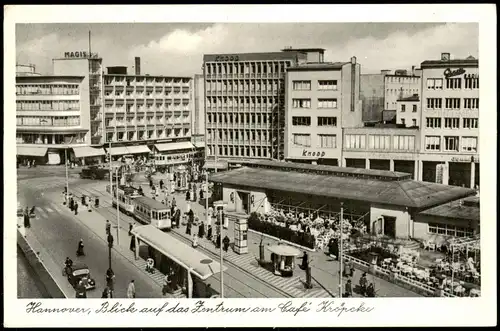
pixel 348 289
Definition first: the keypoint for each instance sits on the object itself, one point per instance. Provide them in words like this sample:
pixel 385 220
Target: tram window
pixel 154 215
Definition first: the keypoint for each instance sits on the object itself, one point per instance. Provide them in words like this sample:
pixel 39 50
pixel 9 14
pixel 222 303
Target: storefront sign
pixel 465 159
pixel 305 152
pixel 452 73
pixel 79 55
pixel 226 58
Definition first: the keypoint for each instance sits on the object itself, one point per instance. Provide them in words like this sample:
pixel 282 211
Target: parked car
pixel 77 272
pixel 94 172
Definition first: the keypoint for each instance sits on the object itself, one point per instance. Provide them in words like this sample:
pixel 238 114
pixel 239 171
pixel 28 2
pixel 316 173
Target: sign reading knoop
pixel 79 55
pixel 305 152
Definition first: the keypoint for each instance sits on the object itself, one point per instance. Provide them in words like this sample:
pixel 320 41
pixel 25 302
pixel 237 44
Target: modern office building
pixel 450 121
pixel 146 114
pixel 321 99
pixel 52 115
pixel 245 100
pixel 408 111
pixel 381 91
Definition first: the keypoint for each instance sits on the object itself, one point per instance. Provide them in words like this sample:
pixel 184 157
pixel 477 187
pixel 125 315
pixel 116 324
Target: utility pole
pixel 341 251
pixel 117 208
pixel 67 180
pixel 221 256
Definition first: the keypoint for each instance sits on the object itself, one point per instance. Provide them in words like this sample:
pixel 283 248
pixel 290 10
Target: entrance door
pixel 244 197
pixel 390 226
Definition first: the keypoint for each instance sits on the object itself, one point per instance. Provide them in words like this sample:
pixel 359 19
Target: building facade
pixel 450 121
pixel 52 115
pixel 400 85
pixel 321 99
pixel 408 111
pixel 244 100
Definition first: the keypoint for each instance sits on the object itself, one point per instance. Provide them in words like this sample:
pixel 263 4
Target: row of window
pixel 306 121
pixel 413 122
pixel 258 135
pixel 452 103
pixel 402 79
pixel 144 135
pixel 246 151
pixel 323 85
pixel 238 118
pixel 243 85
pixel 451 143
pixel 64 89
pixel 414 108
pixel 148 94
pixel 112 80
pixel 470 82
pixel 324 140
pixel 450 230
pixel 48 120
pixel 322 103
pixel 246 68
pixel 47 105
pixel 247 101
pixel 380 142
pixel 58 139
pixel 452 122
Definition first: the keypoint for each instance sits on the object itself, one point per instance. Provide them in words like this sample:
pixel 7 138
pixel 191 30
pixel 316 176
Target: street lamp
pixel 66 163
pixel 219 205
pixel 109 275
pixel 341 251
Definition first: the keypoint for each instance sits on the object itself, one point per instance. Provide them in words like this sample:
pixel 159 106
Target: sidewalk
pixel 97 222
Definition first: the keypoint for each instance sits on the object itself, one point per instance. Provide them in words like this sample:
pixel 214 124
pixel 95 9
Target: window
pixel 432 143
pixel 302 140
pixel 301 121
pixel 451 143
pixel 433 122
pixel 470 123
pixel 414 108
pixel 327 141
pixel 434 103
pixel 413 122
pixel 379 141
pixel 327 121
pixel 453 83
pixel 434 83
pixel 406 143
pixel 471 103
pixel 452 123
pixel 327 103
pixel 452 103
pixel 355 141
pixel 301 103
pixel 330 85
pixel 302 85
pixel 469 144
pixel 471 81
pixel 450 230
pixel 403 108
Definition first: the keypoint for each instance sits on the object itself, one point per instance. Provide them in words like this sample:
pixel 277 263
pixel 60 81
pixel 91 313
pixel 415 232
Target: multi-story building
pixel 144 114
pixel 381 91
pixel 321 99
pixel 26 70
pixel 88 65
pixel 52 115
pixel 244 100
pixel 450 121
pixel 408 111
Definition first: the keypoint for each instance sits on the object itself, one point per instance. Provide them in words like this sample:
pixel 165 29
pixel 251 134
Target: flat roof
pixel 406 193
pixel 303 49
pixel 318 168
pixel 241 57
pixel 48 76
pixel 455 209
pixel 445 64
pixel 319 66
pixel 149 76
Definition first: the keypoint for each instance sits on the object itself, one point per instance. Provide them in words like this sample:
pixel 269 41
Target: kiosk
pixel 283 259
pixel 181 178
pixel 240 236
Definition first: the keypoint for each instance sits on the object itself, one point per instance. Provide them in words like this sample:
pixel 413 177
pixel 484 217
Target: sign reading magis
pixel 80 55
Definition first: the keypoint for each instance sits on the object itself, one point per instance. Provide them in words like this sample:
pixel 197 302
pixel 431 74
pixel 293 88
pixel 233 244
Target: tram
pixel 149 211
pixel 126 195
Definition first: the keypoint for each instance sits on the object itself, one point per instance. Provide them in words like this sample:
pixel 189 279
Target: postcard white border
pixel 388 312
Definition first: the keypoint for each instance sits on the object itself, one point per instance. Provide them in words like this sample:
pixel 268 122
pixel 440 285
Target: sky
pixel 177 49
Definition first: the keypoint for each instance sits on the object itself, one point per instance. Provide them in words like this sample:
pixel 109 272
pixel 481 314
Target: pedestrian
pixel 107 293
pixel 110 278
pixel 226 241
pixel 131 290
pixel 71 204
pixel 174 203
pixel 132 243
pixel 177 218
pixel 27 220
pixel 190 216
pixel 76 208
pixel 305 261
pixel 150 265
pixel 166 284
pixel 195 241
pixel 161 184
pixel 130 227
pixel 201 194
pixel 188 229
pixel 209 232
pixel 187 195
pixel 108 227
pixel 150 183
pixel 348 289
pixel 201 230
pixel 169 205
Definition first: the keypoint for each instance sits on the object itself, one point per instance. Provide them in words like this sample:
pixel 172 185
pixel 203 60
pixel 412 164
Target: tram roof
pixel 151 202
pixel 184 255
pixel 407 193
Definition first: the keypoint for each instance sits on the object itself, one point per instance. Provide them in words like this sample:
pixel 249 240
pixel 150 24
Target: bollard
pixel 308 278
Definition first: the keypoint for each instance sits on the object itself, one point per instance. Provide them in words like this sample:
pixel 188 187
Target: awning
pixel 117 151
pixel 174 146
pixel 184 255
pixel 200 144
pixel 283 250
pixel 87 151
pixel 31 151
pixel 211 164
pixel 138 149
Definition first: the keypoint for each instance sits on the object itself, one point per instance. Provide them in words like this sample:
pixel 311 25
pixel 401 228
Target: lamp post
pixel 66 163
pixel 117 208
pixel 341 251
pixel 219 207
pixel 110 270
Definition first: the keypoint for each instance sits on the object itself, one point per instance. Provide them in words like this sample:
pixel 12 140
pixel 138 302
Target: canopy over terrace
pixel 86 151
pixel 399 192
pixel 187 257
pixel 31 151
pixel 174 146
pixel 128 150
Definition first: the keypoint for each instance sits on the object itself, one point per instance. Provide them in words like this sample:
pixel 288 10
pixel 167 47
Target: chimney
pixel 413 70
pixel 445 56
pixel 137 66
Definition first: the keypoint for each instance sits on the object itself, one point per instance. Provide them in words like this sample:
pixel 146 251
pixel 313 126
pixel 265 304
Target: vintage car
pixel 77 272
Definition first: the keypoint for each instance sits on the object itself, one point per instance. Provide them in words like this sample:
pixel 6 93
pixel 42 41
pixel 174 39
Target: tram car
pixel 126 196
pixel 150 211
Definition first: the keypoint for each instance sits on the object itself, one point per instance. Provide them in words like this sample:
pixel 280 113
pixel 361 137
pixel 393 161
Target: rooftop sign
pixel 80 55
